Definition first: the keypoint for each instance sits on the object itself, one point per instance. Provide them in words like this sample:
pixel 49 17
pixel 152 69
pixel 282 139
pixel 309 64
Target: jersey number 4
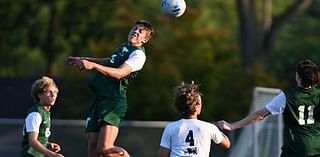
pixel 309 120
pixel 189 138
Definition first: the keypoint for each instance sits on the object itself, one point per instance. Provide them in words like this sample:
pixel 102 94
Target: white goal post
pixel 263 139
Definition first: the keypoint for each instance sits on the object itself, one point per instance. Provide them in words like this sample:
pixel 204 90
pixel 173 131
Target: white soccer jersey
pixel 136 60
pixel 190 138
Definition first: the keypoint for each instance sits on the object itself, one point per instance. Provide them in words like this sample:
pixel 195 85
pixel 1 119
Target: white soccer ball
pixel 173 8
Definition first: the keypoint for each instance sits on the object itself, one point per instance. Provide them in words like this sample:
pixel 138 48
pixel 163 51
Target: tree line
pixel 229 47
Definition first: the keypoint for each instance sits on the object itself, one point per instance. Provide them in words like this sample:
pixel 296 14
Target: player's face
pixel 48 96
pixel 138 35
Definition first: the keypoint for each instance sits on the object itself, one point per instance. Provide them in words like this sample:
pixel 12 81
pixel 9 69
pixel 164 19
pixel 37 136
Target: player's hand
pixel 54 147
pixel 76 61
pixel 223 125
pixel 72 60
pixel 87 65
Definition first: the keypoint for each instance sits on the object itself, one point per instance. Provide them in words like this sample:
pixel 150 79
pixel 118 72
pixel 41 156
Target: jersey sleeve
pixel 277 104
pixel 136 60
pixel 217 135
pixel 33 122
pixel 165 139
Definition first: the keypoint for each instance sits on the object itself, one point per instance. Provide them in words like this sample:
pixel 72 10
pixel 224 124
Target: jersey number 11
pixel 302 110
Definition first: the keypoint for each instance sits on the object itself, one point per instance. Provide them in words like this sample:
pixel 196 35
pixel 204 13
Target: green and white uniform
pixel 38 120
pixel 301 113
pixel 110 102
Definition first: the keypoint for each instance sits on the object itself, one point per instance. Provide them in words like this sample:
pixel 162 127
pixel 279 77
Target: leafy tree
pixel 257 40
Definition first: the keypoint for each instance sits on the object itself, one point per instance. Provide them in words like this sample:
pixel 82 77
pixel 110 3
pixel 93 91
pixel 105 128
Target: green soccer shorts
pixel 105 110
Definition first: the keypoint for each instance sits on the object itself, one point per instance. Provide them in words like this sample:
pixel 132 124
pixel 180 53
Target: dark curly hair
pixel 308 72
pixel 187 97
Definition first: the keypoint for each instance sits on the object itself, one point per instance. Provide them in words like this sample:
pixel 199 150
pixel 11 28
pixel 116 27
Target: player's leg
pixel 117 152
pixel 107 137
pixel 92 139
pixel 111 112
pixel 92 129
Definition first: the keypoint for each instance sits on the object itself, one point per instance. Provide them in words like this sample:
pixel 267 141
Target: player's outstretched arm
pixel 76 61
pixel 72 60
pixel 101 61
pixel 250 119
pixel 117 73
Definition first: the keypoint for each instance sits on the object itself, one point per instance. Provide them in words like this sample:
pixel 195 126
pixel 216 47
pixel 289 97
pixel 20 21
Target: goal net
pixel 262 139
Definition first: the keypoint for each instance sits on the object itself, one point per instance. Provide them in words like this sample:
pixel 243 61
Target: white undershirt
pixel 136 60
pixel 33 122
pixel 277 104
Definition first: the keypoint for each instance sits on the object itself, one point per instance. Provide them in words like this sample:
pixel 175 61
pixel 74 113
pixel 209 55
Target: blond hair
pixel 39 85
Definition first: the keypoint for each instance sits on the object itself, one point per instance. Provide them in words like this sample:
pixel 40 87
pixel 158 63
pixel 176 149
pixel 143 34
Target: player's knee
pixel 113 152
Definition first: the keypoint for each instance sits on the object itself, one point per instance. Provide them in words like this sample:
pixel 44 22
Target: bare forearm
pixel 251 119
pixel 244 122
pixel 225 142
pixel 117 73
pixel 40 148
pixel 108 71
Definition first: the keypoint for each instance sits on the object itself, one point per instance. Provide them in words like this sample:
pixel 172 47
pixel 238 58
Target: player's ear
pixel 39 95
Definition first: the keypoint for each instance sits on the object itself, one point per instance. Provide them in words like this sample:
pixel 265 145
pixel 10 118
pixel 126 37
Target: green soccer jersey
pixel 302 121
pixel 44 132
pixel 111 87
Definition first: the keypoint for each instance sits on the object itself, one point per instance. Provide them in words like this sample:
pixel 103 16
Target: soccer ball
pixel 173 8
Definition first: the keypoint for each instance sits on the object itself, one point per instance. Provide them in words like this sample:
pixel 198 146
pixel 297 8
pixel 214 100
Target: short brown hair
pixel 39 85
pixel 308 73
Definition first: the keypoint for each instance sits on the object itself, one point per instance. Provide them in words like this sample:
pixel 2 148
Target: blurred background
pixel 227 46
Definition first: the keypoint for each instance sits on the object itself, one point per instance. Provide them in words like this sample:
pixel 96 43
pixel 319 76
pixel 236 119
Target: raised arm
pixel 250 119
pixel 117 73
pixel 83 64
pixel 73 60
pixel 101 61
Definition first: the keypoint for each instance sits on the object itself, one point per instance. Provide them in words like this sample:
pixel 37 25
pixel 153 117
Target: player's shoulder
pixel 207 124
pixel 191 122
pixel 173 123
